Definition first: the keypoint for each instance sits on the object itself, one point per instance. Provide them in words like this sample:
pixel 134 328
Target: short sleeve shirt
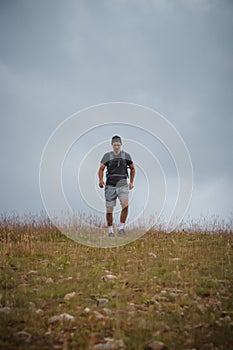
pixel 105 160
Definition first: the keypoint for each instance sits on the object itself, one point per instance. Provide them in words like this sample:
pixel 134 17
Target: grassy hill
pixel 162 291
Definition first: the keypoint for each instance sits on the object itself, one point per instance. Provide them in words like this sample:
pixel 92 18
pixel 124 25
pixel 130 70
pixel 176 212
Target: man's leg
pixel 123 195
pixel 124 213
pixel 109 211
pixel 110 197
pixel 124 210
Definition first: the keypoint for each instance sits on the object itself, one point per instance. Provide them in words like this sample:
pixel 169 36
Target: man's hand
pixel 131 185
pixel 101 184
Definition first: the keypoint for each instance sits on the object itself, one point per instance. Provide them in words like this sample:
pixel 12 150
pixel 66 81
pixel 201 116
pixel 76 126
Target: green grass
pixel 183 297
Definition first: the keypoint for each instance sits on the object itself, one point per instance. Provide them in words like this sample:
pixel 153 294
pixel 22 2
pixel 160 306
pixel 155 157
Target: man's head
pixel 116 143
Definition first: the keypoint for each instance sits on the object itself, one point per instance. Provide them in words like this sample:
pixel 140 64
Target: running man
pixel 117 162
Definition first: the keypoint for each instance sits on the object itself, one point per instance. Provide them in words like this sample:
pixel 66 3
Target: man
pixel 117 162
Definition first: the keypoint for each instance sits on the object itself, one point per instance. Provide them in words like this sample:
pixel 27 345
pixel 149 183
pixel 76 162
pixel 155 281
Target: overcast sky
pixel 175 56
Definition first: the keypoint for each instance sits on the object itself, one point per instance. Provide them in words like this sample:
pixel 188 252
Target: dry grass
pixel 174 288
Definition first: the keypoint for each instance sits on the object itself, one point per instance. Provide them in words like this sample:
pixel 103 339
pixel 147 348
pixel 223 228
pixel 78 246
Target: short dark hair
pixel 116 138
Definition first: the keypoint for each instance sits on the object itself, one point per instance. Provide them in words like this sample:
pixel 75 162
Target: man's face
pixel 116 145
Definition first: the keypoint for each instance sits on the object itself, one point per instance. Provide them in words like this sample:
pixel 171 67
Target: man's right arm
pixel 101 175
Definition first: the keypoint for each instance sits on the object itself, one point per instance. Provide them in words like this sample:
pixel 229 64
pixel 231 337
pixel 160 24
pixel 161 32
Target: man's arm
pixel 101 175
pixel 132 174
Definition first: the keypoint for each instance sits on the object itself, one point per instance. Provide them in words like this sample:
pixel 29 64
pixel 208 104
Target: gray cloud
pixel 175 57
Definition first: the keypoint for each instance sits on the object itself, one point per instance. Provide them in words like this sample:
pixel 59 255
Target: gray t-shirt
pixel 116 168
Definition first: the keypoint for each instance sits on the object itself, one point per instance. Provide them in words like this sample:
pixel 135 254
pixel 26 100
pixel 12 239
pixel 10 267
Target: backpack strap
pixel 123 157
pixel 111 155
pixel 110 158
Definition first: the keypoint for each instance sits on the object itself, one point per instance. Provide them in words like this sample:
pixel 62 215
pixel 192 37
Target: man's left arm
pixel 132 174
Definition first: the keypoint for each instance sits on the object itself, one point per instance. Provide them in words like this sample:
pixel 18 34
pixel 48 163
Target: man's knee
pixel 124 203
pixel 109 210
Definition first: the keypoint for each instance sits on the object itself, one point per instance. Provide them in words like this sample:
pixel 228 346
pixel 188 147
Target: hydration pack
pixel 117 166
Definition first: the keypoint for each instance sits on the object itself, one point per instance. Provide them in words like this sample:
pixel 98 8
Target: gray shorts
pixel 112 192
